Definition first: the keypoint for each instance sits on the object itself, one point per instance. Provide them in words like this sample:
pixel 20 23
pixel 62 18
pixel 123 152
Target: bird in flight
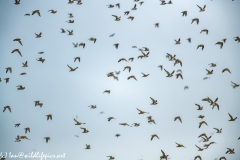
pixel 36 11
pixel 72 69
pixel 18 51
pixel 18 40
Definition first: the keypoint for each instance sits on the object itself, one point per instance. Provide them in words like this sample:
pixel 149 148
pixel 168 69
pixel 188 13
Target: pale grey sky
pixel 66 94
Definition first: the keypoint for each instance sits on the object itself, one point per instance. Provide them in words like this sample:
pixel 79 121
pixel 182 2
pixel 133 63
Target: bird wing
pixel 69 67
pixel 199 7
pixel 166 71
pixel 230 115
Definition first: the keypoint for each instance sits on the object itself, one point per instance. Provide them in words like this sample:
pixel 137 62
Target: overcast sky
pixel 67 95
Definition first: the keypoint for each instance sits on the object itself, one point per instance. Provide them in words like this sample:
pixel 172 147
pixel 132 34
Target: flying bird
pixel 18 51
pixel 178 118
pixel 36 11
pixel 18 40
pixel 184 13
pixel 72 69
pixel 7 107
pixel 231 118
pixel 195 19
pixel 154 135
pixel 202 9
pixel 38 35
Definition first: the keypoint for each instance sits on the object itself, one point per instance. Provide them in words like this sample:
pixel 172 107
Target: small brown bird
pixel 38 35
pixel 110 6
pixel 36 11
pixel 7 107
pixel 116 45
pixel 72 69
pixel 127 67
pixel 124 124
pixel 27 130
pixel 82 44
pixel 142 112
pixel 63 31
pixel 201 116
pixel 235 85
pixel 126 12
pixel 84 130
pixel 154 102
pixel 204 30
pixel 186 87
pixel 177 41
pixel 92 39
pixel 202 122
pixel 27 14
pixel 23 73
pixel 110 118
pixel 161 67
pixel 168 74
pixel 154 135
pixel 131 59
pixel 179 75
pixel 230 151
pixel 17 124
pixel 7 80
pixel 198 156
pixel 231 118
pixel 93 106
pixel 9 69
pixel 222 158
pixel 17 50
pixel 70 15
pixel 49 116
pixel 200 46
pixel 47 139
pixel 88 146
pixel 218 130
pixel 144 75
pixel 18 40
pixel 201 9
pixel 70 32
pixel 199 107
pixel 189 40
pixel 212 64
pixel 122 59
pixel 156 25
pixel 199 149
pixel 226 69
pixel 20 87
pixel 136 124
pixel 77 122
pixel 220 43
pixel 25 64
pixel 17 2
pixel 195 19
pixel 131 17
pixel 135 7
pixel 117 18
pixel 209 72
pixel 107 91
pixel 180 145
pixel 179 118
pixel 184 13
pixel 40 59
pixel 52 11
pixel 163 156
pixel 77 58
pixel 132 76
pixel 141 3
pixel 118 5
pixel 117 135
pixel 70 21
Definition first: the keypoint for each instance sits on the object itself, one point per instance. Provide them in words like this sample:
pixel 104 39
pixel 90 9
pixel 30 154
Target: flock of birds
pixel 145 53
